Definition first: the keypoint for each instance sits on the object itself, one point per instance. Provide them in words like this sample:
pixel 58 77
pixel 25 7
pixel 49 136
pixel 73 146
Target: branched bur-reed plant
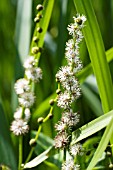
pixel 68 91
pixel 64 151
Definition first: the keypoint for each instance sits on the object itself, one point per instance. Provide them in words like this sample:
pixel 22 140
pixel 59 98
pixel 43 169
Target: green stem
pixel 32 149
pixel 47 117
pixel 64 154
pixel 20 152
pixel 39 130
pixel 37 134
pixel 30 154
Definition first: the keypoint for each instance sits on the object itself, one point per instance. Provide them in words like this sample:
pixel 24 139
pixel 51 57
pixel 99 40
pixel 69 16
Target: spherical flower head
pixel 77 63
pixel 64 100
pixel 21 86
pixel 76 149
pixel 60 126
pixel 70 118
pixel 63 73
pixel 27 99
pixel 30 62
pixel 75 94
pixel 69 165
pixel 70 84
pixel 19 127
pixel 61 140
pixel 34 74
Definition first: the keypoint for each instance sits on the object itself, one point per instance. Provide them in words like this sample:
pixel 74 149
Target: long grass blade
pixel 7 154
pixel 97 54
pixel 102 145
pixel 23 28
pixel 90 98
pixel 92 127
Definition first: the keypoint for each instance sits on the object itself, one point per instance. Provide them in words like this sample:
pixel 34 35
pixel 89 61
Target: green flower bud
pixel 40 120
pixel 51 102
pixel 39 30
pixel 58 91
pixel 39 7
pixel 32 142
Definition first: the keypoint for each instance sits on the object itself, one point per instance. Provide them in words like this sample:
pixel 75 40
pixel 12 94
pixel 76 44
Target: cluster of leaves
pixel 54 25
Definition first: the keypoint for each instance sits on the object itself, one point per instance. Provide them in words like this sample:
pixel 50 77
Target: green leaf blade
pixel 39 159
pixel 92 127
pixel 7 154
pixel 97 54
pixel 102 145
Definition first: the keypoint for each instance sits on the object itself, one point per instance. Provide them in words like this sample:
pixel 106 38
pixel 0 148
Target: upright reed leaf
pixel 23 28
pixel 102 145
pixel 7 154
pixel 99 63
pixel 97 54
pixel 91 127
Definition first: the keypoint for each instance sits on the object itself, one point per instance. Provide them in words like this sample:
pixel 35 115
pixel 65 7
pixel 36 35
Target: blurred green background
pixel 16 30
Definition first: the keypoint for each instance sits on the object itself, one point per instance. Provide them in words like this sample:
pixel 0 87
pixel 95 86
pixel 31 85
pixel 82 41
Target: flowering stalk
pixel 32 142
pixel 66 78
pixel 24 88
pixel 20 152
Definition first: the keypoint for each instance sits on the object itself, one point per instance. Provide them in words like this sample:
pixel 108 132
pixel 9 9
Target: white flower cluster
pixel 69 165
pixel 66 77
pixel 26 97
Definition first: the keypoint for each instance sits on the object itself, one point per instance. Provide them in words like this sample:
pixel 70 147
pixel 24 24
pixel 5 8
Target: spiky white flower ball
pixel 34 74
pixel 70 118
pixel 64 100
pixel 69 165
pixel 63 73
pixel 61 140
pixel 61 126
pixel 76 149
pixel 30 62
pixel 21 86
pixel 27 99
pixel 19 127
pixel 72 85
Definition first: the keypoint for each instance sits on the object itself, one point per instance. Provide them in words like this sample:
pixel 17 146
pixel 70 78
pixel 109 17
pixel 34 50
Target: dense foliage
pixel 18 32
